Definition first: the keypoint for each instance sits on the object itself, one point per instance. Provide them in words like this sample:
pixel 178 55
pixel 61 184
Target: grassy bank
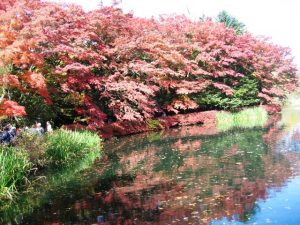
pixel 65 147
pixel 53 183
pixel 247 118
pixel 14 165
pixel 59 149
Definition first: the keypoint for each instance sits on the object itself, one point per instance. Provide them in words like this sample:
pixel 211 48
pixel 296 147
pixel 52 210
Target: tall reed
pixel 14 165
pixel 65 147
pixel 247 118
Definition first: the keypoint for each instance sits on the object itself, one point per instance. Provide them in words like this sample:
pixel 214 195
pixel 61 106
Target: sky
pixel 278 19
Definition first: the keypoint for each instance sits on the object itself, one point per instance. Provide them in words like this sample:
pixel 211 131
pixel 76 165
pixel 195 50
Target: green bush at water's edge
pixel 35 145
pixel 247 118
pixel 65 146
pixel 59 149
pixel 43 190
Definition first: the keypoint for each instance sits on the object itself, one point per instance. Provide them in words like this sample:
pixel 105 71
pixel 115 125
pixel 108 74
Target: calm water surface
pixel 177 177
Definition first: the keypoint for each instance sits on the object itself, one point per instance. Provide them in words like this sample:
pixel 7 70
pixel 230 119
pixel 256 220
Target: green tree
pixel 231 22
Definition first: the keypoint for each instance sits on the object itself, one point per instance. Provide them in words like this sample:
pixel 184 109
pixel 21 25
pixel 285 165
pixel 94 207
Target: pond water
pixel 242 176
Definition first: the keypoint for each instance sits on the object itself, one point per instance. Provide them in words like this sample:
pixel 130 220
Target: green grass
pixel 247 118
pixel 65 147
pixel 43 190
pixel 14 166
pixel 59 149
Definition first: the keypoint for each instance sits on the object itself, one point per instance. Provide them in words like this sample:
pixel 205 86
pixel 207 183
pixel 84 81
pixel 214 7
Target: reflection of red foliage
pixel 5 4
pixel 147 196
pixel 190 145
pixel 177 201
pixel 273 131
pixel 207 119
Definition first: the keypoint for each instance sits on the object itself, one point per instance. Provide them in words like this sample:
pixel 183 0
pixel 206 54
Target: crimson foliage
pixel 101 66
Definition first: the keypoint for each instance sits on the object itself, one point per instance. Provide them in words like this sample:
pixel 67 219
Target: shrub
pixel 14 165
pixel 243 95
pixel 66 147
pixel 35 146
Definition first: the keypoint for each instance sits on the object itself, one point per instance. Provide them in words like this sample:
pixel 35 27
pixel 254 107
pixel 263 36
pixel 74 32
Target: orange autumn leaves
pixel 19 52
pixel 11 108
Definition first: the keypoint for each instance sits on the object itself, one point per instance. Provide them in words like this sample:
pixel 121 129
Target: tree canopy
pixel 104 65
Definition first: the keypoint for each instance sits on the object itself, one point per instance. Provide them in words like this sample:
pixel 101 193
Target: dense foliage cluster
pixel 96 67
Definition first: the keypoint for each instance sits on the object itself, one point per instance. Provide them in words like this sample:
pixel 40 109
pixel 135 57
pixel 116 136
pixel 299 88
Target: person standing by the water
pixel 8 134
pixel 39 129
pixel 48 127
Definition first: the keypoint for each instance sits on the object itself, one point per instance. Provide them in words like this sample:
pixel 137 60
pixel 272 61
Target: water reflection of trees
pixel 178 178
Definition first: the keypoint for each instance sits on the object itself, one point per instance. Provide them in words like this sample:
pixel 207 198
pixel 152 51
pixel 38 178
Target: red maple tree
pixel 117 67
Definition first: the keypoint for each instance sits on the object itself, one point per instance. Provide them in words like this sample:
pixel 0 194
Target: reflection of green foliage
pixel 200 172
pixel 155 136
pixel 170 159
pixel 250 149
pixel 247 118
pixel 187 173
pixel 215 180
pixel 215 147
pixel 112 172
pixel 246 216
pixel 205 192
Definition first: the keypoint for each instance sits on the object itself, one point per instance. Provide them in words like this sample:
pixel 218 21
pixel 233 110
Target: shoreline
pixel 207 119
